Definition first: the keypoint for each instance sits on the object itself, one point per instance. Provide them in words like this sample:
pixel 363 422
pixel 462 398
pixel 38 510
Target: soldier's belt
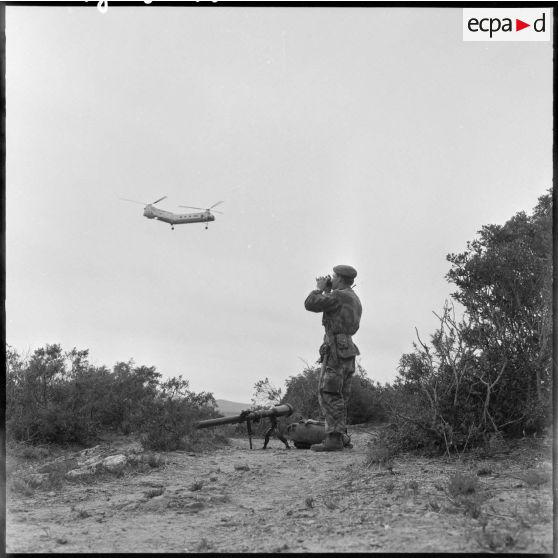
pixel 341 345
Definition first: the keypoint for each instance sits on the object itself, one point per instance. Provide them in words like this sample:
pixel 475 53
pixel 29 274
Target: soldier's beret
pixel 345 271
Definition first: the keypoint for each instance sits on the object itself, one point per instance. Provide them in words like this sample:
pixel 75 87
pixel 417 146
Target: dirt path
pixel 237 500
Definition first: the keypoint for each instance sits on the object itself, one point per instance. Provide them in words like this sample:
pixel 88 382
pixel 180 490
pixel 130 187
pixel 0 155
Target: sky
pixel 374 137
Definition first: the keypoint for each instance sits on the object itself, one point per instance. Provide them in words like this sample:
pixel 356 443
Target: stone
pixel 115 463
pixel 152 459
pixel 77 474
pixel 95 462
pixel 89 451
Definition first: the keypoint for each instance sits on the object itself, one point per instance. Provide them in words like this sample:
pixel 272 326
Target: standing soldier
pixel 342 310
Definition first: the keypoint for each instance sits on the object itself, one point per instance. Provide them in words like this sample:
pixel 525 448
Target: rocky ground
pixel 116 498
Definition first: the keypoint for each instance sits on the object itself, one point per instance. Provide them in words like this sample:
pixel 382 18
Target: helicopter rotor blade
pixel 215 204
pixel 134 201
pixel 215 211
pixel 160 199
pixel 192 207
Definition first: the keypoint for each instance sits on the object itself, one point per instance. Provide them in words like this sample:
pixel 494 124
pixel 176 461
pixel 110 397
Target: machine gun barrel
pixel 248 416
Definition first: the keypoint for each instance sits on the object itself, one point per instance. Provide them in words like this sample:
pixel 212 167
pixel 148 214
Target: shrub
pixel 170 423
pixel 365 402
pixel 462 484
pixel 490 372
pixel 380 453
pixel 302 394
pixel 58 397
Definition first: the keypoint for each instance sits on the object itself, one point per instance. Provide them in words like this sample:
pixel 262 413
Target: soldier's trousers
pixel 334 391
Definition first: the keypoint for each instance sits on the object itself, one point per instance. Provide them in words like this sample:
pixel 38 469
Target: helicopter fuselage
pixel 177 218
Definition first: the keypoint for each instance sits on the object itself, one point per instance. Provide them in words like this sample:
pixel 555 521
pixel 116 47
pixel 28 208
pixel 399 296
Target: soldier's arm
pixel 318 302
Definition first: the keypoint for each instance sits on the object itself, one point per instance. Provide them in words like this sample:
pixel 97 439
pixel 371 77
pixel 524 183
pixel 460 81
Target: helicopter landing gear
pixel 172 228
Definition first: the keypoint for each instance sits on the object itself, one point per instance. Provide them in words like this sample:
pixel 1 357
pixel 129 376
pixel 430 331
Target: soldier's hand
pixel 321 283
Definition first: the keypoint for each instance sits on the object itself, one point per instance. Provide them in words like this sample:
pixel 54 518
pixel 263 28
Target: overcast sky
pixel 373 137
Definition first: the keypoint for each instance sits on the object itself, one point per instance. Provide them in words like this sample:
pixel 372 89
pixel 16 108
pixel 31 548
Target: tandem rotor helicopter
pixel 177 218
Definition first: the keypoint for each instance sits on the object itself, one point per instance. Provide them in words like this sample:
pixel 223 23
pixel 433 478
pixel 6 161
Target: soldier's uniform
pixel 342 311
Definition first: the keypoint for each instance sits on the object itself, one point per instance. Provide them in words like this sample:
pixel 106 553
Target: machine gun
pixel 249 417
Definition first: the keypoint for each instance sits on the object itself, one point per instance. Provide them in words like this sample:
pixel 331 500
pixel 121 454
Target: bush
pixel 43 402
pixel 170 422
pixel 489 373
pixel 462 484
pixel 381 454
pixel 365 402
pixel 302 394
pixel 170 425
pixel 58 397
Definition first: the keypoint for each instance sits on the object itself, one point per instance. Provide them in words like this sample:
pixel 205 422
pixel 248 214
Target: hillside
pixel 230 408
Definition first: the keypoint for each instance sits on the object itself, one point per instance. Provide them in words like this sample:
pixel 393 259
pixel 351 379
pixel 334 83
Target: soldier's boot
pixel 332 442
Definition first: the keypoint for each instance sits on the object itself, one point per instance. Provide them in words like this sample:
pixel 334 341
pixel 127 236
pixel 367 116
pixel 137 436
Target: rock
pixel 89 451
pixel 152 459
pixel 82 472
pixel 115 463
pixel 95 462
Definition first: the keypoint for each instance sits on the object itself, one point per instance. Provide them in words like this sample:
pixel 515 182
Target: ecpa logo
pixel 503 24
